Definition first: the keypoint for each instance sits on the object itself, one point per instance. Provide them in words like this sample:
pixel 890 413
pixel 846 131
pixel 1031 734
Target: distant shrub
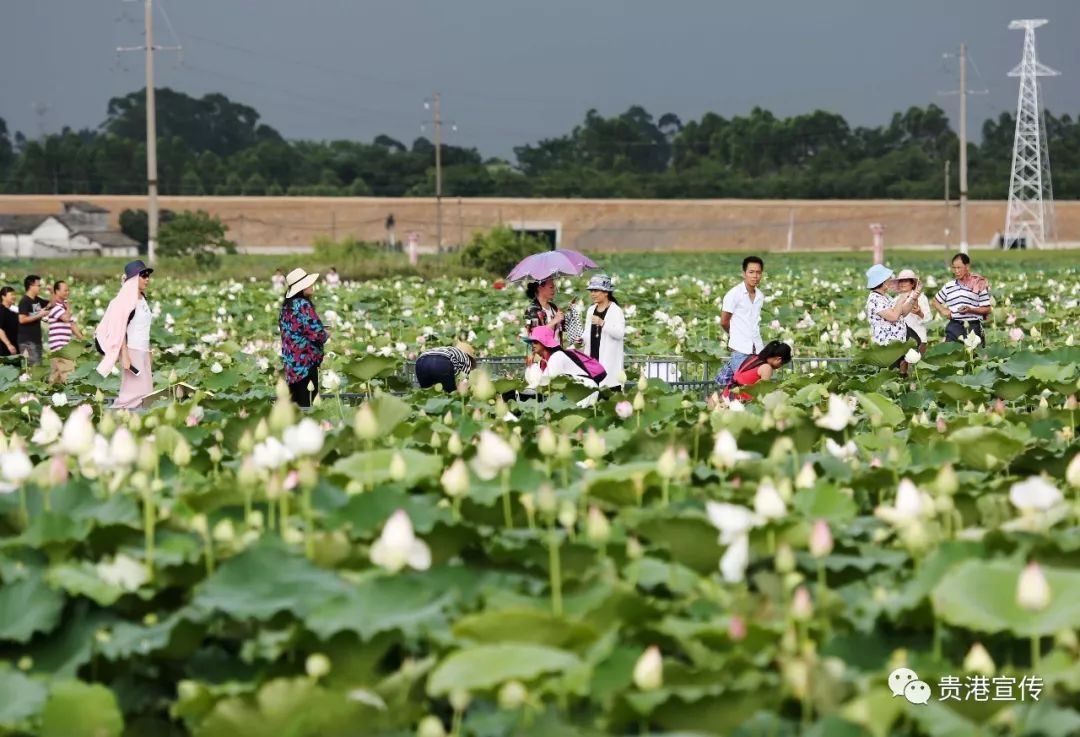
pixel 499 250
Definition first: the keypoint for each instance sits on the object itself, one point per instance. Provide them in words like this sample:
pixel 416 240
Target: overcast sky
pixel 515 71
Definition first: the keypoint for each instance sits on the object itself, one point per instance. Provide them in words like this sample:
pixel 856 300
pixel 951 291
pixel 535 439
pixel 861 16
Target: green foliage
pixel 499 250
pixel 134 223
pixel 196 235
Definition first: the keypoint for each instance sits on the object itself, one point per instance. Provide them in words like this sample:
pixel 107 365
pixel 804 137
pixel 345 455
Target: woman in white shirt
pixel 920 314
pixel 605 329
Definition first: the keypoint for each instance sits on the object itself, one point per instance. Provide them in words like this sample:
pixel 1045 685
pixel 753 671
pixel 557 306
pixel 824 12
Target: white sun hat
pixel 297 281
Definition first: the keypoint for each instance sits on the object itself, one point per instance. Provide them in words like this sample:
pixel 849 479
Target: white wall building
pixel 81 230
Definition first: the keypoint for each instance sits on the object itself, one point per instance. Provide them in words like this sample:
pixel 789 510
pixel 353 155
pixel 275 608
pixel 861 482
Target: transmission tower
pixel 1031 196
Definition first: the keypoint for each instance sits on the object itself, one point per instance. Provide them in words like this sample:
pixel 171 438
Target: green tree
pixel 196 235
pixel 254 186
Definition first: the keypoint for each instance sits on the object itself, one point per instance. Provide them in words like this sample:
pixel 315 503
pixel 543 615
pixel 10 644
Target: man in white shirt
pixel 741 318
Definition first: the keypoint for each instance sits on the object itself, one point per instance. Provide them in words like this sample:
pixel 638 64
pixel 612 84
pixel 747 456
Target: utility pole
pixel 438 173
pixel 963 149
pixel 947 229
pixel 151 129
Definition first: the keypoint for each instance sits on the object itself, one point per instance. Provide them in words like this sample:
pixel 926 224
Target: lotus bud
pixel 501 408
pixel 262 431
pixel 246 443
pixel 802 608
pixel 639 402
pixel 148 456
pixel 181 454
pixel 821 539
pixel 107 425
pixel 1032 589
pixel 978 661
pixel 667 465
pixel 282 416
pixel 99 397
pixel 546 501
pixel 170 414
pixel 1067 639
pixel 515 439
pixel 455 479
pixel 58 470
pixel 528 503
pixel 122 448
pixel 398 469
pixel 546 442
pixel 806 477
pixel 597 527
pixel 594 445
pixel 454 444
pixel 77 437
pixel 1072 472
pixel 281 389
pixel 448 418
pixel 16 466
pixel 567 514
pixel 634 549
pixel 642 382
pixel 317 665
pixel 768 502
pixel 365 425
pixel 1071 403
pixel 460 699
pixel 947 482
pixel 512 695
pixel 225 532
pixel 649 670
pixel 564 449
pixel 215 454
pixel 482 386
pixel 737 628
pixel 430 726
pixel 785 559
pixel 307 473
pixel 199 525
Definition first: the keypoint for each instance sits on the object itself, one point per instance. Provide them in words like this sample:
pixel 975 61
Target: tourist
pixel 541 310
pixel 886 317
pixel 333 281
pixel 32 310
pixel 302 337
pixel 907 282
pixel 558 361
pixel 443 366
pixel 740 318
pixel 964 301
pixel 61 327
pixel 606 328
pixel 9 323
pixel 277 281
pixel 759 367
pixel 124 335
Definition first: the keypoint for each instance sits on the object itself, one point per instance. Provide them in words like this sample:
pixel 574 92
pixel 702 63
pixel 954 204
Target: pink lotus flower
pixel 737 628
pixel 1010 319
pixel 291 480
pixel 624 409
pixel 941 426
pixel 243 413
pixel 1016 335
pixel 192 420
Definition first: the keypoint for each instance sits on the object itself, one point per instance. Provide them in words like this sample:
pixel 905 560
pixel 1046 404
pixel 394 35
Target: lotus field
pixel 403 562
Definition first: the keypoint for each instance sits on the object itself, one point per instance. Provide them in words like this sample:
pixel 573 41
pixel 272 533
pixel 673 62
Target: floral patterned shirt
pixel 302 339
pixel 882 331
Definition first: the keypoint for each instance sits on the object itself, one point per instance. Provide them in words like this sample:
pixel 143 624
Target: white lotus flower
pixel 1072 472
pixel 78 435
pixel 493 454
pixel 735 560
pixel 912 356
pixel 331 381
pixel 732 520
pixel 1036 494
pixel 15 468
pixel 978 661
pixel 398 546
pixel 767 501
pixel 59 399
pixel 304 438
pixel 49 428
pixel 123 448
pixel 847 450
pixel 123 572
pixel 455 479
pixel 216 368
pixel 649 670
pixel 270 454
pixel 726 452
pixel 972 341
pixel 838 416
pixel 911 504
pixel 534 376
pixel 1032 589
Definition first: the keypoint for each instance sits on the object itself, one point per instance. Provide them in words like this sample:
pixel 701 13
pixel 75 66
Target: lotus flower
pixel 624 409
pixel 911 504
pixel 304 438
pixel 978 661
pixel 493 454
pixel 15 468
pixel 123 572
pixel 455 479
pixel 271 454
pixel 77 437
pixel 912 356
pixel 821 539
pixel 1036 494
pixel 1032 589
pixel 398 546
pixel 732 520
pixel 726 452
pixel 649 670
pixel 735 560
pixel 767 501
pixel 49 428
pixel 838 416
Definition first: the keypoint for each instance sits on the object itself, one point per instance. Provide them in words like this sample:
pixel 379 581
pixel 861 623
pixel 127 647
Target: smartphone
pixel 133 370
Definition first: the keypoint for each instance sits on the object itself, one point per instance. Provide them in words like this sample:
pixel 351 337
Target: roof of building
pixel 21 224
pixel 83 206
pixel 109 238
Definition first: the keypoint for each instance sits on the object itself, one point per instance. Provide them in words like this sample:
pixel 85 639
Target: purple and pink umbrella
pixel 561 261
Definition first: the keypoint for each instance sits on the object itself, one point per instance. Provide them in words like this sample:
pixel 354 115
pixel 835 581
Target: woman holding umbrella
pixel 540 269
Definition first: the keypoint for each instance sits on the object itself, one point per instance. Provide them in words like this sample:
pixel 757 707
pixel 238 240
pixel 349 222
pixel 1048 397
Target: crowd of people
pixel 586 344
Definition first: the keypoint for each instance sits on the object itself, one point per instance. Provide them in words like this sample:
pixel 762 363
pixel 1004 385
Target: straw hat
pixel 907 274
pixel 297 281
pixel 467 349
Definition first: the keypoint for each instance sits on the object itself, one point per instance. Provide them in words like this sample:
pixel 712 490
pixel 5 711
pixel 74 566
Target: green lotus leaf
pixel 984 447
pixel 373 467
pixel 525 626
pixel 485 667
pixel 407 603
pixel 298 707
pixel 880 410
pixel 881 356
pixel 81 579
pixel 981 595
pixel 23 698
pixel 826 502
pixel 76 709
pixel 370 366
pixel 28 606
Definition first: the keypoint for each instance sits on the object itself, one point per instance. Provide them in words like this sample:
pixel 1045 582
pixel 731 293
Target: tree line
pixel 215 146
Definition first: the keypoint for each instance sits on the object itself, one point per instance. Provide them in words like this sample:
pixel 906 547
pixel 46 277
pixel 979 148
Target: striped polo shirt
pixel 458 358
pixel 59 331
pixel 954 295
